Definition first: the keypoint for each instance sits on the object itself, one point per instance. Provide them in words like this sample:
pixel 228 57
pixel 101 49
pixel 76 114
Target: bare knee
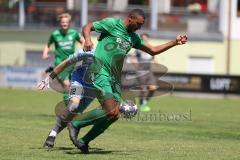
pixel 111 108
pixel 114 114
pixel 73 104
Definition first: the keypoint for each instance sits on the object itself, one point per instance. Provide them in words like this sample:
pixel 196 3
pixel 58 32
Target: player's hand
pixel 45 56
pixel 44 84
pixel 181 39
pixel 88 45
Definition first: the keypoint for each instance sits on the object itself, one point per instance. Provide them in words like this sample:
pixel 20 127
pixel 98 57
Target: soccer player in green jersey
pixel 64 40
pixel 117 38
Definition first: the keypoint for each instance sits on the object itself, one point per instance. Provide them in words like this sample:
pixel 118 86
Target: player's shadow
pixel 64 148
pixel 91 150
pixel 100 151
pixel 44 115
pixel 55 148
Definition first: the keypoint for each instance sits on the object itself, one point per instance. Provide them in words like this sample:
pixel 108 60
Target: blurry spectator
pixel 64 40
pixel 198 6
pixel 146 81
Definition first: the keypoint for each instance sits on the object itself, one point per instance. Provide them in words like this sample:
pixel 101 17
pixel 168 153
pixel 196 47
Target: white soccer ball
pixel 128 109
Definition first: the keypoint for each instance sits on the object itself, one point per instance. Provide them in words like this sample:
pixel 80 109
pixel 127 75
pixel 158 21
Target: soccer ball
pixel 128 109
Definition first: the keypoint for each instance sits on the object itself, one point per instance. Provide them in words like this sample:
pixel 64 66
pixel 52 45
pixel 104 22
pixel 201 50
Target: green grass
pixel 213 132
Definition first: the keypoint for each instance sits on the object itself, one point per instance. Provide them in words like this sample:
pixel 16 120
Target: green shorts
pixel 108 89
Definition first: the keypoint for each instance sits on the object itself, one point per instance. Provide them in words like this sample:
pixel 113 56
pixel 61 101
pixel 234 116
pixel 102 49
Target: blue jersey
pixel 80 55
pixel 79 82
pixel 86 58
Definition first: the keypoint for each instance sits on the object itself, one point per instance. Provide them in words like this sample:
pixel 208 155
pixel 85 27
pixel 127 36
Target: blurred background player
pixel 64 40
pixel 147 81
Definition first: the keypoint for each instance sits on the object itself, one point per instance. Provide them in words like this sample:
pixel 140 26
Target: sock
pixel 144 101
pixel 59 126
pixel 52 133
pixel 65 98
pixel 61 122
pixel 88 118
pixel 141 101
pixel 141 98
pixel 98 128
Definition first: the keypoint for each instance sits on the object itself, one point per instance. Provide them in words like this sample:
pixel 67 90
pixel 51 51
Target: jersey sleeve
pixel 105 25
pixel 51 39
pixel 77 36
pixel 80 55
pixel 137 41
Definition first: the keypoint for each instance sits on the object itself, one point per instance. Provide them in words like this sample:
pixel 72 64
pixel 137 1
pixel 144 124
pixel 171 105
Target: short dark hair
pixel 138 12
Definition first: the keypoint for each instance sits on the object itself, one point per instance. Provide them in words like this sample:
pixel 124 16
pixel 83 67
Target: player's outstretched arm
pixel 58 69
pixel 78 56
pixel 154 50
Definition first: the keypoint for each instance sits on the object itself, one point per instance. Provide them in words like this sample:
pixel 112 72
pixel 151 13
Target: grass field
pixel 210 131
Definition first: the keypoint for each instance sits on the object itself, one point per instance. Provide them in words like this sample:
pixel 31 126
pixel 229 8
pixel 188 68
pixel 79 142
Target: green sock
pixel 98 128
pixel 65 98
pixel 88 118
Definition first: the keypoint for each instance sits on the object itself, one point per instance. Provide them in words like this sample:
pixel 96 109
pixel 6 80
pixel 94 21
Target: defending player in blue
pixel 79 99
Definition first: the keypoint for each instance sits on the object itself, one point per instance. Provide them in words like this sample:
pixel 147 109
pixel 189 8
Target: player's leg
pixel 141 81
pixel 142 100
pixel 85 119
pixel 109 113
pixel 73 132
pixel 62 120
pixel 67 114
pixel 102 86
pixel 66 85
pixel 149 88
pixel 64 79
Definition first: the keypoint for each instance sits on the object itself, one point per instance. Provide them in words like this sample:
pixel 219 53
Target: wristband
pixel 53 75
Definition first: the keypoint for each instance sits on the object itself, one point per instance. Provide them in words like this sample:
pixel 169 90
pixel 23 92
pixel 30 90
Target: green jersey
pixel 113 45
pixel 64 44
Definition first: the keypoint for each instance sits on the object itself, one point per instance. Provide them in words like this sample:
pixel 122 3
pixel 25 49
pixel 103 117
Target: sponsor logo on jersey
pixel 123 44
pixel 66 45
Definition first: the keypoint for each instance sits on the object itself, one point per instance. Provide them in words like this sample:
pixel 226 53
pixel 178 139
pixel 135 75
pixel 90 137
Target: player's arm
pixel 103 26
pixel 88 45
pixel 80 39
pixel 57 70
pixel 46 49
pixel 155 50
pixel 78 56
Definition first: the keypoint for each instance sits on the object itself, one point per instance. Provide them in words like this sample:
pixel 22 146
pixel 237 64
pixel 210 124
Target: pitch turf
pixel 212 131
